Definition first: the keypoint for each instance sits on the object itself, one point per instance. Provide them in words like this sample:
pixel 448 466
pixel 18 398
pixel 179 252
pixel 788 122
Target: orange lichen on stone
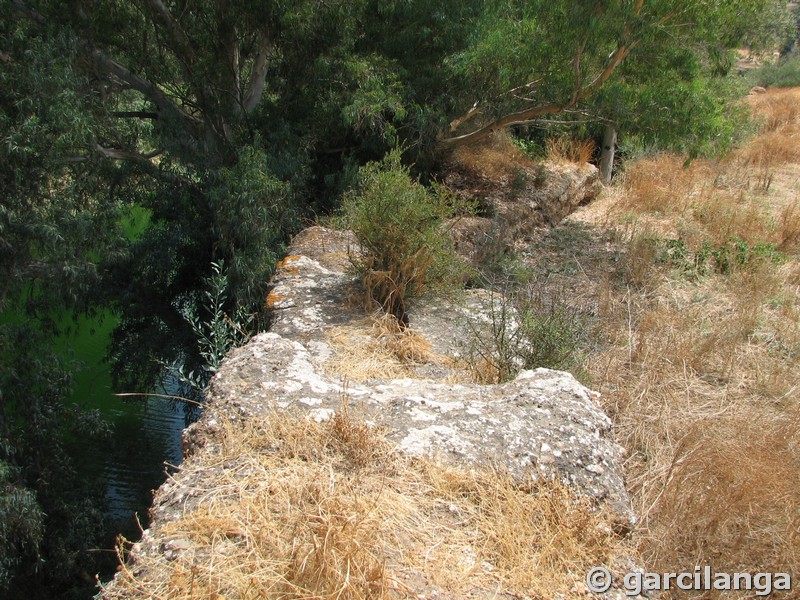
pixel 285 266
pixel 273 298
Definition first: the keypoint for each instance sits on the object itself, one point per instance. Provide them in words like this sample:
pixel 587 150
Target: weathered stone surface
pixel 542 423
pixel 545 422
pixel 562 189
pixel 472 236
pixel 535 196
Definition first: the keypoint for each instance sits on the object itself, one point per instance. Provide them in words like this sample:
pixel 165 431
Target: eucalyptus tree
pixel 199 113
pixel 645 66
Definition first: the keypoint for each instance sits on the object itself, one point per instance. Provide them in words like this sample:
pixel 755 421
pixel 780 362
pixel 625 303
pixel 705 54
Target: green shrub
pixel 724 258
pixel 399 224
pixel 784 73
pixel 216 332
pixel 529 328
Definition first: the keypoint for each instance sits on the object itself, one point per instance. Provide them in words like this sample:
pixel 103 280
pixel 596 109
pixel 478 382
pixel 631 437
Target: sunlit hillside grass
pixel 701 363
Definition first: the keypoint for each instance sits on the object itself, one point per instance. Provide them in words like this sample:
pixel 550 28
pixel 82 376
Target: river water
pixel 146 431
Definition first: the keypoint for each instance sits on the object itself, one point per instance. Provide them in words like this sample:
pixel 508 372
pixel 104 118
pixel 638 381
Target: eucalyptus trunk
pixel 607 152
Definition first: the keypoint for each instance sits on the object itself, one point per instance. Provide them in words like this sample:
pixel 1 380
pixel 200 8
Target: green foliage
pixel 689 113
pixel 783 73
pixel 724 258
pixel 400 228
pixel 531 326
pixel 21 524
pixel 51 222
pixel 253 212
pixel 217 333
pixel 48 542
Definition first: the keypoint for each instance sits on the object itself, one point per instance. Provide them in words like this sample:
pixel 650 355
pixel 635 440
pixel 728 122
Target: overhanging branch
pixel 150 91
pixel 144 161
pixel 134 114
pixel 119 154
pixel 522 117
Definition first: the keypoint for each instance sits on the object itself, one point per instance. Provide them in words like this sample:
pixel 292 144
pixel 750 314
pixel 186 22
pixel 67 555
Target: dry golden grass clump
pixel 778 112
pixel 776 109
pixel 713 202
pixel 569 150
pixel 376 347
pixel 663 184
pixel 700 371
pixel 495 158
pixel 324 511
pixel 730 497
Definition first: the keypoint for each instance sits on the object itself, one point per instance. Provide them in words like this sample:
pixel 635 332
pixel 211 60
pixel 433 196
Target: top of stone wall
pixel 544 423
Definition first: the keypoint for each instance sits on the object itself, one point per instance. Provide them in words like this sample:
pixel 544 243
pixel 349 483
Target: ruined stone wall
pixel 544 423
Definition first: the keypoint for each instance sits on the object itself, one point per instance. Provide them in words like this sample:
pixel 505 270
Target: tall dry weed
pixel 569 150
pixel 709 412
pixel 663 184
pixel 702 384
pixel 789 227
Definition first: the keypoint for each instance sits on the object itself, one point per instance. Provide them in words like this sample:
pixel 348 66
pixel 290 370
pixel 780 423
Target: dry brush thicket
pixel 701 370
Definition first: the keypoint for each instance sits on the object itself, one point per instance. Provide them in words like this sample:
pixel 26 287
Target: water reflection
pixel 145 446
pixel 145 441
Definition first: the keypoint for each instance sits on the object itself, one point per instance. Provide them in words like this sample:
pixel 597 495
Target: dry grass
pixel 778 143
pixel 494 159
pixel 376 347
pixel 324 511
pixel 778 108
pixel 789 226
pixel 663 184
pixel 701 374
pixel 710 202
pixel 569 150
pixel 703 387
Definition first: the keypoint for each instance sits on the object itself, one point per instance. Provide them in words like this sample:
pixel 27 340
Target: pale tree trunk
pixel 607 153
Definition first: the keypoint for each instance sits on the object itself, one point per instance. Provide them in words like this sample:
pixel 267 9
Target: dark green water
pixel 146 433
pixel 146 440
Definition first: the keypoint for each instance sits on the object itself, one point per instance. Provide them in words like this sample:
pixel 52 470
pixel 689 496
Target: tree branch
pixel 135 114
pixel 509 120
pixel 150 91
pixel 625 46
pixel 118 154
pixel 28 12
pixel 174 29
pixel 178 43
pixel 522 117
pixel 144 161
pixel 472 112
